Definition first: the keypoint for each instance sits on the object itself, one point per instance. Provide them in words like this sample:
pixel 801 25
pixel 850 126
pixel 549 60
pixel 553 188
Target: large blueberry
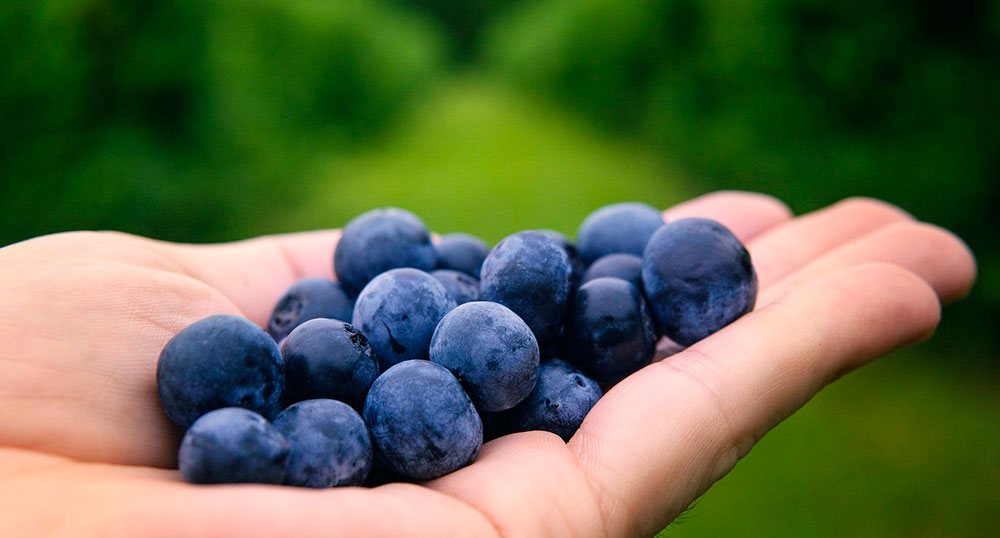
pixel 306 299
pixel 398 311
pixel 698 278
pixel 624 227
pixel 462 287
pixel 530 274
pixel 561 400
pixel 379 240
pixel 619 265
pixel 219 361
pixel 422 423
pixel 233 445
pixel 461 252
pixel 490 350
pixel 327 358
pixel 329 444
pixel 609 332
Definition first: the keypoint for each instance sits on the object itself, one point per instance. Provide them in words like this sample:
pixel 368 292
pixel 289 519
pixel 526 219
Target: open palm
pixel 85 449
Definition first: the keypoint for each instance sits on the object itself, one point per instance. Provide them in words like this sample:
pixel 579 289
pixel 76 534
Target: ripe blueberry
pixel 219 361
pixel 398 311
pixel 698 278
pixel 422 423
pixel 624 227
pixel 329 444
pixel 233 445
pixel 609 332
pixel 380 240
pixel 327 358
pixel 461 252
pixel 490 350
pixel 530 274
pixel 307 299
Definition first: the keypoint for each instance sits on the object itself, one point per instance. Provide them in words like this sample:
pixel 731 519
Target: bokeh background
pixel 208 120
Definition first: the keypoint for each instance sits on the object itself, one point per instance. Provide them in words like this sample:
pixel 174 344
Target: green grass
pixel 489 161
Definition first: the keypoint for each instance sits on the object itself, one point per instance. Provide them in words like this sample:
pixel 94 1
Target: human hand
pixel 85 449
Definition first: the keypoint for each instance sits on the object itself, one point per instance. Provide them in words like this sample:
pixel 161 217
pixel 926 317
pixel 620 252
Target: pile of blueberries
pixel 421 350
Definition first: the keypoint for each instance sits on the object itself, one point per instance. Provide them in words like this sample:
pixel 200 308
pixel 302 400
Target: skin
pixel 86 450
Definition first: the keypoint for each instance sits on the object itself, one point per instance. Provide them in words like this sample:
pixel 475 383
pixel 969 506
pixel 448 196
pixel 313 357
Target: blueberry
pixel 380 240
pixel 327 358
pixel 329 442
pixel 461 252
pixel 530 274
pixel 561 400
pixel 219 361
pixel 233 445
pixel 619 265
pixel 698 278
pixel 462 287
pixel 575 262
pixel 490 350
pixel 398 311
pixel 307 299
pixel 422 423
pixel 624 227
pixel 609 332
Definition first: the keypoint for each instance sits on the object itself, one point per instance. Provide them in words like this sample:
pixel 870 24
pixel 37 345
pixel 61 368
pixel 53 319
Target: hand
pixel 85 449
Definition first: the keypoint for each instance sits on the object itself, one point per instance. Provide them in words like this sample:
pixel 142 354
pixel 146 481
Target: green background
pixel 207 121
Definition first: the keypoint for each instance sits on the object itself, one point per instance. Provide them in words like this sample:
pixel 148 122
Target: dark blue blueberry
pixel 575 262
pixel 461 252
pixel 530 274
pixel 398 311
pixel 491 351
pixel 329 442
pixel 620 265
pixel 609 332
pixel 219 361
pixel 462 287
pixel 380 240
pixel 561 400
pixel 698 278
pixel 309 298
pixel 422 423
pixel 624 227
pixel 327 358
pixel 233 445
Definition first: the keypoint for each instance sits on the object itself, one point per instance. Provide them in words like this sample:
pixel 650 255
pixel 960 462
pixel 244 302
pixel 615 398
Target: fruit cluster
pixel 519 337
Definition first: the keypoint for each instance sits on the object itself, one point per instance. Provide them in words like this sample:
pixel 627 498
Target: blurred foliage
pixel 810 100
pixel 480 159
pixel 185 119
pixel 464 21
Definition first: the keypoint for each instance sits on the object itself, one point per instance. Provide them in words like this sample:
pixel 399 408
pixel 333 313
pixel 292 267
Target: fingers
pixel 254 273
pixel 746 214
pixel 785 249
pixel 934 254
pixel 662 436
